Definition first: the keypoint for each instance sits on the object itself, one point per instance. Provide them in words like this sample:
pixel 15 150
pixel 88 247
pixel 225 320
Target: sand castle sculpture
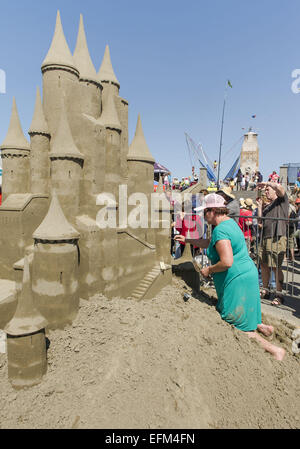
pixel 49 235
pixel 250 153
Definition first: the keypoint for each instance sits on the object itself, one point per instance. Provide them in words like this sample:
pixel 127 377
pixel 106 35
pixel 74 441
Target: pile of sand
pixel 161 363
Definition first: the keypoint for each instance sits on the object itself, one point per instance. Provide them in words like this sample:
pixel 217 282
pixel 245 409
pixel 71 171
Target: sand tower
pixel 39 146
pixel 66 167
pixel 15 152
pixel 55 267
pixel 26 343
pixel 60 77
pixel 111 85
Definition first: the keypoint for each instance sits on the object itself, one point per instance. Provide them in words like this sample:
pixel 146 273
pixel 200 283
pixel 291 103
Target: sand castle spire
pixel 15 138
pixel 82 56
pixel 62 144
pixel 106 71
pixel 26 319
pixel 59 53
pixel 55 226
pixel 109 116
pixel 138 150
pixel 38 124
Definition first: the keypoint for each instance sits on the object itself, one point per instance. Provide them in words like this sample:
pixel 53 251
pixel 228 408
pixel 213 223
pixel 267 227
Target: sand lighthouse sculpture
pixel 250 153
pixel 78 149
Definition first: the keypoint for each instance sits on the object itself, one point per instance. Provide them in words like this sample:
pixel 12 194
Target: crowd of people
pixel 184 184
pixel 266 231
pixel 170 183
pixel 245 181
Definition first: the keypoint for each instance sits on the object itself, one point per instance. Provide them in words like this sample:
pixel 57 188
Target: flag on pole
pixel 229 83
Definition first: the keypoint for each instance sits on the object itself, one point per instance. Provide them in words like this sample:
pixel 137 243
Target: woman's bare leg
pixel 277 352
pixel 265 329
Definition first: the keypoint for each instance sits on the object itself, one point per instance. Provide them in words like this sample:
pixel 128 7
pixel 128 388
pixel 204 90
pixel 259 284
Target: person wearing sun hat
pixel 234 273
pixel 247 204
pixel 231 203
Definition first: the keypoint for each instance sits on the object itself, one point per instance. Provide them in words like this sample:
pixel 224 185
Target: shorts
pixel 272 251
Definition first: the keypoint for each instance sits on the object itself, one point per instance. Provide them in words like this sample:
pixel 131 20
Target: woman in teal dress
pixel 234 273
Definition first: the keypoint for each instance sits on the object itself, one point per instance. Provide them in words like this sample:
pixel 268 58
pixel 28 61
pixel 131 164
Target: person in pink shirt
pixel 274 177
pixel 189 224
pixel 245 220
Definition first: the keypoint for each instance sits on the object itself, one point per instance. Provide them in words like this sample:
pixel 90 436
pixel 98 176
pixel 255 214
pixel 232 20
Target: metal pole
pixel 220 150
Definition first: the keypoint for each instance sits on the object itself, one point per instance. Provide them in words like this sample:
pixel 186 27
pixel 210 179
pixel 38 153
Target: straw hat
pixel 248 203
pixel 212 200
pixel 227 191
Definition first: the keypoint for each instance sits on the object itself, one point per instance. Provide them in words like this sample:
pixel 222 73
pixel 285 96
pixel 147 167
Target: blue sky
pixel 172 59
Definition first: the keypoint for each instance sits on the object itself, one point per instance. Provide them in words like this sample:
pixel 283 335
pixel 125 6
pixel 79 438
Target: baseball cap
pixel 212 200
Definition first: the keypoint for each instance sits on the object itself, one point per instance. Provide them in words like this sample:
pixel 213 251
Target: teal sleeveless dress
pixel 238 287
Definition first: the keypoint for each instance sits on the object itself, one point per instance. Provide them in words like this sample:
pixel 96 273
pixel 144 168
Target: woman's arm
pixel 224 249
pixel 200 243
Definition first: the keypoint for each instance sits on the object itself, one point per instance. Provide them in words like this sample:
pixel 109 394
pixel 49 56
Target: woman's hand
pixel 180 238
pixel 205 272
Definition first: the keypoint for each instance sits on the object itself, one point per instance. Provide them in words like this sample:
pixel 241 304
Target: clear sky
pixel 173 59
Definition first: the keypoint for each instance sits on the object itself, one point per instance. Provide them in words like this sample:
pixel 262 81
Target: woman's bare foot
pixel 265 329
pixel 279 354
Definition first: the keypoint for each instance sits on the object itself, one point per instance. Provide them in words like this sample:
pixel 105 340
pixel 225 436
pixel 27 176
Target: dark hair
pixel 218 210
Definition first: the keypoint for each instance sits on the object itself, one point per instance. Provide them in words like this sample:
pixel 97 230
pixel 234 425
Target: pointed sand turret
pixel 55 226
pixel 106 71
pixel 82 56
pixel 38 124
pixel 62 144
pixel 59 53
pixel 138 150
pixel 15 138
pixel 27 318
pixel 109 116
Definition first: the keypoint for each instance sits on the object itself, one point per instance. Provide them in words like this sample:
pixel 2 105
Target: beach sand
pixel 160 363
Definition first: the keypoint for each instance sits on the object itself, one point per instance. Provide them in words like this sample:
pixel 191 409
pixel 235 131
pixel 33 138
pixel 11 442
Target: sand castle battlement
pixel 78 149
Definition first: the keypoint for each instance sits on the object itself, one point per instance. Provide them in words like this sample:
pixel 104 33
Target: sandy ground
pixel 161 363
